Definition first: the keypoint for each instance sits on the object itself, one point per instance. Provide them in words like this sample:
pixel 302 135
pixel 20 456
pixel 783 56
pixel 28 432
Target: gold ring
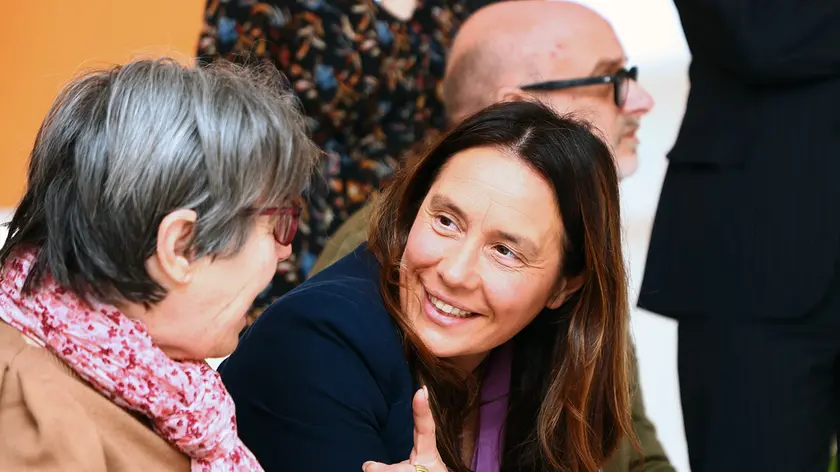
pixel 420 468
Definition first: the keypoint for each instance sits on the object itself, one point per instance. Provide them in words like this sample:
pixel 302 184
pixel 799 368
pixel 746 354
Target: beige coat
pixel 51 420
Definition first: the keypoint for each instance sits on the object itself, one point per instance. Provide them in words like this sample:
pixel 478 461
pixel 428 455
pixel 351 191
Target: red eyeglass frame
pixel 293 212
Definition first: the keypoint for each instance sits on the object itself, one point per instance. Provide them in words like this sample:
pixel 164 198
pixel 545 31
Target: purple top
pixel 492 411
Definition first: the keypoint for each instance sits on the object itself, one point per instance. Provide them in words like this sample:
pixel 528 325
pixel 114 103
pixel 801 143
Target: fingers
pixel 425 444
pixel 371 466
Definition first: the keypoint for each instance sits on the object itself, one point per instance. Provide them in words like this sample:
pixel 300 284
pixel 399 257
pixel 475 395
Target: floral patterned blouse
pixel 369 84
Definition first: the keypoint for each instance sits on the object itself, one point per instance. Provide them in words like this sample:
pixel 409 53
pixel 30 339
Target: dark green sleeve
pixel 652 458
pixel 346 239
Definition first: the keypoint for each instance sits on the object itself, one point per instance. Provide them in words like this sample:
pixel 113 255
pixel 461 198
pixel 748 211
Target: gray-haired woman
pixel 160 199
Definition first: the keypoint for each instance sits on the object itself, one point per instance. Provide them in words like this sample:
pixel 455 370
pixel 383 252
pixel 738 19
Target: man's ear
pixel 565 289
pixel 170 265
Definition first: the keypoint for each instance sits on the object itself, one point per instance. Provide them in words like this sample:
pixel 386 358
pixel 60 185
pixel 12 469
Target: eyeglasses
pixel 620 81
pixel 287 222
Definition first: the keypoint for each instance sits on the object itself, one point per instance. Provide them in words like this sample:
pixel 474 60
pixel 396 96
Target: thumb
pixel 371 466
pixel 425 444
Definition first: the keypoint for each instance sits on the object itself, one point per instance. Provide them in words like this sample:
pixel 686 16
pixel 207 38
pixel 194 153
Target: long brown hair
pixel 569 401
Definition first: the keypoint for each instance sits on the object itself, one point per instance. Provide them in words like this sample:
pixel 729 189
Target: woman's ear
pixel 565 289
pixel 170 265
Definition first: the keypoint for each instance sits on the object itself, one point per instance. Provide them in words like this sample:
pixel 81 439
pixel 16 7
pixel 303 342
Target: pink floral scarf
pixel 186 401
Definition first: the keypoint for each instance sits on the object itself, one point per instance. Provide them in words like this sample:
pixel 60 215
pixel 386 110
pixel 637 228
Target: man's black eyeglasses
pixel 620 81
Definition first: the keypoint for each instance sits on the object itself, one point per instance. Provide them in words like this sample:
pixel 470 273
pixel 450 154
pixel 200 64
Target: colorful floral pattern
pixel 368 83
pixel 186 401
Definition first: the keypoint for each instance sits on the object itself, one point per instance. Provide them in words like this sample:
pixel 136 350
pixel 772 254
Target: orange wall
pixel 43 43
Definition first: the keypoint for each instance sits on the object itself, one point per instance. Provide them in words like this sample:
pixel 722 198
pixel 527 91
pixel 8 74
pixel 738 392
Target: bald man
pixel 566 55
pixel 561 53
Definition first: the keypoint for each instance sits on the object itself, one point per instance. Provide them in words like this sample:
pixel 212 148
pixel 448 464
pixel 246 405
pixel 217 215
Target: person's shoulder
pixel 346 238
pixel 64 420
pixel 11 344
pixel 346 292
pixel 331 331
pixel 41 413
pixel 341 306
pixel 23 360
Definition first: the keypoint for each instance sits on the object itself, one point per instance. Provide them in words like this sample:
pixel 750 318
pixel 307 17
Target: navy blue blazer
pixel 320 380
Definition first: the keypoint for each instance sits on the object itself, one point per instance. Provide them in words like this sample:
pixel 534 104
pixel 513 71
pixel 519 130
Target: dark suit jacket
pixel 320 379
pixel 748 223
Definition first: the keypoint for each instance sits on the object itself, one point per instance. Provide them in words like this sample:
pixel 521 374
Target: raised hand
pixel 424 456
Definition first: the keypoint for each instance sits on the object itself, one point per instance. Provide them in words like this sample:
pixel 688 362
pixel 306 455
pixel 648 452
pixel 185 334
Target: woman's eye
pixel 504 251
pixel 445 222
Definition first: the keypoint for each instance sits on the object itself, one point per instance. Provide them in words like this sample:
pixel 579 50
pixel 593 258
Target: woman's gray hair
pixel 121 148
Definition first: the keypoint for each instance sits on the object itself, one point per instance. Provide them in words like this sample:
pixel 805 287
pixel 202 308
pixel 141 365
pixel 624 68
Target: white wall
pixel 5 215
pixel 653 39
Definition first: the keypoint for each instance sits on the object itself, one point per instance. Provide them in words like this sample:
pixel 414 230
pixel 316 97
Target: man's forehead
pixel 588 52
pixel 608 65
pixel 542 39
pixel 529 19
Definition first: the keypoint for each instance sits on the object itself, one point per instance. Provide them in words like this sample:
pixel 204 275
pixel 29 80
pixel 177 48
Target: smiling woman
pixel 493 276
pixel 482 258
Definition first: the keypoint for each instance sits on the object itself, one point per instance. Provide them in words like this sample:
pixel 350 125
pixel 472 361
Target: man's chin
pixel 627 165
